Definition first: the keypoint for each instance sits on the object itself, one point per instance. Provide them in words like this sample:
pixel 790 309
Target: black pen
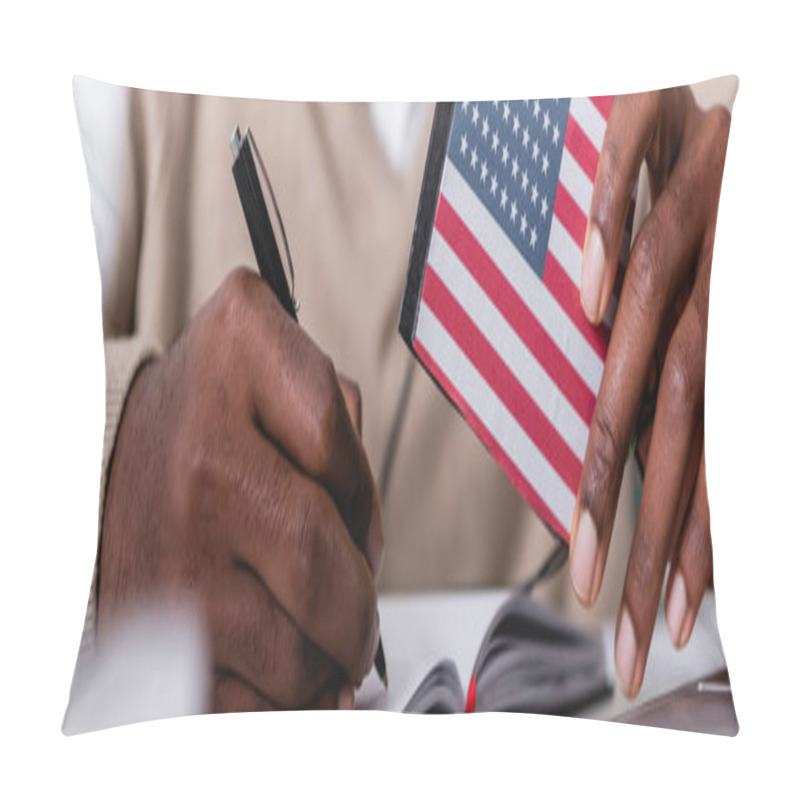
pixel 268 254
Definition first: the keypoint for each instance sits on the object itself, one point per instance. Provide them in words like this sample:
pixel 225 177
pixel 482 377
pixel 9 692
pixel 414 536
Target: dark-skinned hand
pixel 662 311
pixel 238 476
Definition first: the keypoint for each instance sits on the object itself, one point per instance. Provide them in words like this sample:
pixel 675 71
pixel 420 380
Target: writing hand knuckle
pixel 235 300
pixel 198 468
pixel 327 409
pixel 309 559
pixel 189 479
pixel 239 281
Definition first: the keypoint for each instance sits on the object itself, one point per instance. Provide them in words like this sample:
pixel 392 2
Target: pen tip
pixel 380 665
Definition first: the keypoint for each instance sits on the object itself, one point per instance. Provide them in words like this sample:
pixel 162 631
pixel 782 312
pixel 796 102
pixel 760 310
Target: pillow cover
pixel 254 499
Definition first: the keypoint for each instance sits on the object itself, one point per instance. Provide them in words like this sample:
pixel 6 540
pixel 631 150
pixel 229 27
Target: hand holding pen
pixel 238 479
pixel 263 216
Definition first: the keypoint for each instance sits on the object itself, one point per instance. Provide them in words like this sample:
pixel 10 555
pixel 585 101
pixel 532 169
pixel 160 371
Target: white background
pixel 52 389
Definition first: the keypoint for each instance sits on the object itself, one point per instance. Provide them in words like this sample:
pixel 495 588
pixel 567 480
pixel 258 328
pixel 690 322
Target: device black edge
pixel 423 224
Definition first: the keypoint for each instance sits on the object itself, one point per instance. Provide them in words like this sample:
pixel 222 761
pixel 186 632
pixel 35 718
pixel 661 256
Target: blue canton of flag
pixel 510 155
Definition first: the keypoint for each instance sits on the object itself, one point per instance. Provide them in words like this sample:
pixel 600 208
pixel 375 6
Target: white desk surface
pixel 420 629
pixel 417 630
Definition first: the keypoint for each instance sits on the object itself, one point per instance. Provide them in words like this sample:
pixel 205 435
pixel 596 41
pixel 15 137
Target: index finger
pixel 630 128
pixel 662 253
pixel 297 402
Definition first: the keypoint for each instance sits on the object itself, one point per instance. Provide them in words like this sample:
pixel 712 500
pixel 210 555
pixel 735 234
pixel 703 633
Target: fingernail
pixel 686 631
pixel 347 699
pixel 584 555
pixel 625 653
pixel 594 259
pixel 676 609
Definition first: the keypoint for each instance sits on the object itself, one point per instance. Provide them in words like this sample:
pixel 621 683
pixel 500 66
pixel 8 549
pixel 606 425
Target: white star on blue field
pixel 509 152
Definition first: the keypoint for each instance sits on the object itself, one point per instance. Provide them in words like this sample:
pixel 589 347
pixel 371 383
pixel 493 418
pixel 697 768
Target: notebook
pixel 529 661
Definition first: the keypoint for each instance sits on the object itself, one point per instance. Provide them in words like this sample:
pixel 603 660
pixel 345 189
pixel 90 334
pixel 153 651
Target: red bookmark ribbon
pixel 470 709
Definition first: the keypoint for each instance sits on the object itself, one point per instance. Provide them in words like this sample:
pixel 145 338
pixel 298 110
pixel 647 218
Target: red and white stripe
pixel 515 353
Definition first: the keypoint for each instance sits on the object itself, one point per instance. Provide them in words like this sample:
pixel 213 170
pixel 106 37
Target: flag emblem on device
pixel 492 305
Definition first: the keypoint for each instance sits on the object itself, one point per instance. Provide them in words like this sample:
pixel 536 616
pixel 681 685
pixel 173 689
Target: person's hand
pixel 238 476
pixel 663 309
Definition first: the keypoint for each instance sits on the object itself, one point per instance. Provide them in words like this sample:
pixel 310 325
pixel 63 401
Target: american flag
pixel 497 318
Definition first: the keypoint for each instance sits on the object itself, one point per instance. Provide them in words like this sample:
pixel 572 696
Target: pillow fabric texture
pixel 254 503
